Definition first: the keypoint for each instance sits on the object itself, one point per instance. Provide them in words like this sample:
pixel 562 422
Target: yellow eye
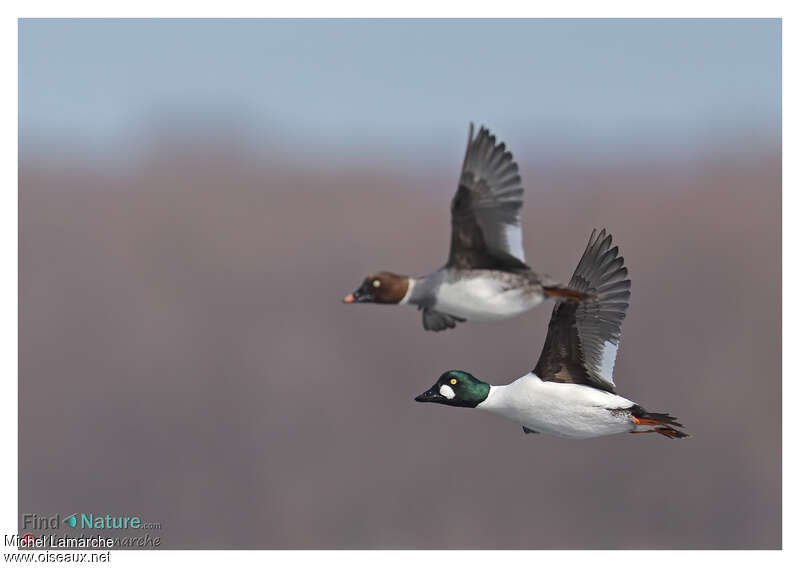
pixel 453 381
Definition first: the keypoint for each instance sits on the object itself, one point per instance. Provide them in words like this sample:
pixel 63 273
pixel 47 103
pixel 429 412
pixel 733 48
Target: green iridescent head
pixel 456 388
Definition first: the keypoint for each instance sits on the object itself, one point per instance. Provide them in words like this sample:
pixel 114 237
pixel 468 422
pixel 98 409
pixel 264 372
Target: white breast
pixel 560 409
pixel 484 299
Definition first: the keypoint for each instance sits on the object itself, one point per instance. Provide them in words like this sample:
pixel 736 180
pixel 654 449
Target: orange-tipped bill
pixel 364 294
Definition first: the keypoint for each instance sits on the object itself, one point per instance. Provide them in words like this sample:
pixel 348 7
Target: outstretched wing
pixel 486 230
pixel 583 337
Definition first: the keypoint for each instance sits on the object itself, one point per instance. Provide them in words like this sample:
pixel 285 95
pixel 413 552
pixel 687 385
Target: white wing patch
pixel 514 240
pixel 608 360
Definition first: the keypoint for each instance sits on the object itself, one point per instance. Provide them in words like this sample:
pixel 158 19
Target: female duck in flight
pixel 485 277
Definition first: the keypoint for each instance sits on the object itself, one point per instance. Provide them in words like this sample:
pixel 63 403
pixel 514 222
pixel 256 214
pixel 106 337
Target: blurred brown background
pixel 185 354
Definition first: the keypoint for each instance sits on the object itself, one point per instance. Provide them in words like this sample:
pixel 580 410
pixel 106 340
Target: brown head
pixel 380 288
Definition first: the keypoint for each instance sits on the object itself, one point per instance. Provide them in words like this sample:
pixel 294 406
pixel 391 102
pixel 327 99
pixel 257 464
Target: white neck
pixel 411 283
pixel 503 397
pixel 494 398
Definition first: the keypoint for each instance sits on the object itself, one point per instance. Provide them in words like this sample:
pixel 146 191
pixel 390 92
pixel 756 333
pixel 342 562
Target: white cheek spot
pixel 447 392
pixel 376 283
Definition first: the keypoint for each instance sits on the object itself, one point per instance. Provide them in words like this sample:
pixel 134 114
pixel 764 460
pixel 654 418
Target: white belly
pixel 484 299
pixel 560 409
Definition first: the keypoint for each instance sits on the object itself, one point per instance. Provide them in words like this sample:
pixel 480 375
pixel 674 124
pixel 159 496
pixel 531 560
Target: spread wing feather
pixel 485 210
pixel 582 338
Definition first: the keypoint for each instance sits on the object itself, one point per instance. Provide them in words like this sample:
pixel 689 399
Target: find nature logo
pixel 85 521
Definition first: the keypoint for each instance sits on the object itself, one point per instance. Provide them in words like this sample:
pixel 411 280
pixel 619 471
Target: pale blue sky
pixel 349 85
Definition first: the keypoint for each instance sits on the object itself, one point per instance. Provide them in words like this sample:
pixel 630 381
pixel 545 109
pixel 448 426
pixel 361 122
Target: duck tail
pixel 658 422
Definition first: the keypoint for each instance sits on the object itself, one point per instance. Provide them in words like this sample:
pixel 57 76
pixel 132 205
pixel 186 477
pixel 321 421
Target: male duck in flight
pixel 571 392
pixel 485 277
